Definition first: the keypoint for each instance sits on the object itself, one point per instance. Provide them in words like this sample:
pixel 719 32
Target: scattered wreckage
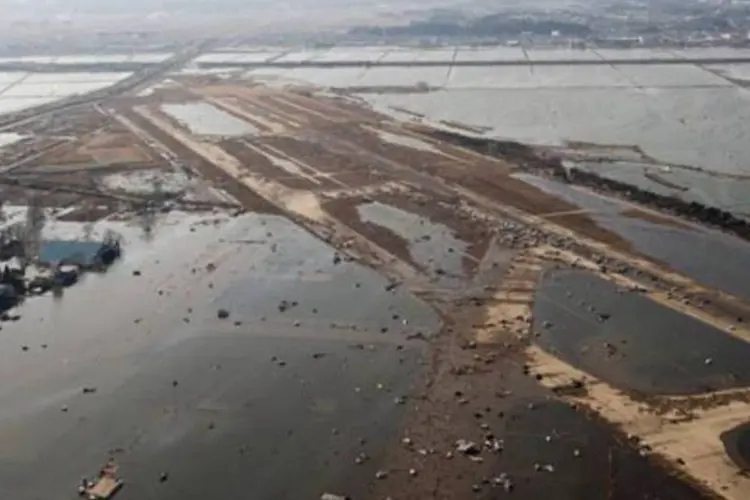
pixel 104 486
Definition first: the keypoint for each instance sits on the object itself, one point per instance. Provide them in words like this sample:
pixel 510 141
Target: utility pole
pixel 32 235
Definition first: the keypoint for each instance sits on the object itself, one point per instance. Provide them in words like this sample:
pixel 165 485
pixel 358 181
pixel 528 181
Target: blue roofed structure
pixel 82 253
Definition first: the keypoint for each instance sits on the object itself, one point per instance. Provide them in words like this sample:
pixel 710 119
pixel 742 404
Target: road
pixel 136 81
pixel 565 61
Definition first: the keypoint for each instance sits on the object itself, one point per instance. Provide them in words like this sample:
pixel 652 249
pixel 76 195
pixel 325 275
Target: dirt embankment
pixel 527 158
pixel 705 214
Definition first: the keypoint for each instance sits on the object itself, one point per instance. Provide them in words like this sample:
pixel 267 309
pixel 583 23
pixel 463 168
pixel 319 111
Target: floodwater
pixel 632 342
pixel 677 114
pixel 53 89
pixel 202 118
pixel 297 268
pixel 707 256
pixel 285 164
pixel 690 185
pixel 550 434
pixel 223 406
pixel 432 245
pixel 11 104
pixel 406 141
pixel 23 90
pixel 725 192
pixel 8 138
pixel 80 77
pixel 737 445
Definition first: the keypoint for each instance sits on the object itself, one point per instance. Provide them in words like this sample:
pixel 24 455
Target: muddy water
pixel 8 138
pixel 205 400
pixel 706 256
pixel 632 342
pixel 737 445
pixel 726 193
pixel 432 245
pixel 406 141
pixel 302 272
pixel 202 118
pixel 548 435
pixel 679 115
pixel 236 422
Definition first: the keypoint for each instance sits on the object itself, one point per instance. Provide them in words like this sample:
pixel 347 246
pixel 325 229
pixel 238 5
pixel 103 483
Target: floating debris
pixel 332 496
pixel 104 486
pixel 504 481
pixel 467 447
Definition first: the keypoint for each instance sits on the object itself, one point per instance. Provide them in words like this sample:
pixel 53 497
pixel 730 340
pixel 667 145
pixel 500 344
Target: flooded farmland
pixel 702 127
pixel 433 246
pixel 707 256
pixel 675 115
pixel 737 444
pixel 633 342
pixel 204 119
pixel 314 283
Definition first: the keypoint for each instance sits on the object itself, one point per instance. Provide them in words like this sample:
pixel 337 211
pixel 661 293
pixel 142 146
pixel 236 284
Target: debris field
pixel 480 326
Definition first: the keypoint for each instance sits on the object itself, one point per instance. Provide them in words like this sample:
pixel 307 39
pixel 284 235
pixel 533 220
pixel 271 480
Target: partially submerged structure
pixel 31 264
pixel 84 254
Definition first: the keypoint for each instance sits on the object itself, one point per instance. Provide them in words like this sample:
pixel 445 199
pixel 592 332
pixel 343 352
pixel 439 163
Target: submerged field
pixel 314 287
pixel 677 128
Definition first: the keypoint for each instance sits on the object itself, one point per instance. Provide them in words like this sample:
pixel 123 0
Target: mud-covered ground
pixel 337 303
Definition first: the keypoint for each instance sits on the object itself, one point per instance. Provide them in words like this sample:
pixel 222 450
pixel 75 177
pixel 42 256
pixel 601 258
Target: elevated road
pixel 135 82
pixel 480 62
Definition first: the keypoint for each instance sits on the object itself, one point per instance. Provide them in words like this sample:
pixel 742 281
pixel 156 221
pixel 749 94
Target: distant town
pixel 621 24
